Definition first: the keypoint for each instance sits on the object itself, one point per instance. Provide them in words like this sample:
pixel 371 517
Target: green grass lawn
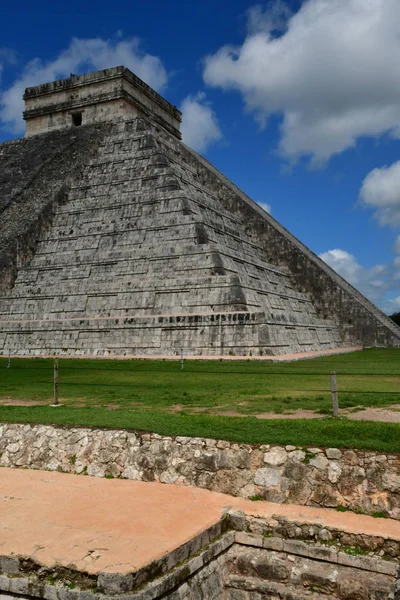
pixel 326 432
pixel 159 395
pixel 368 378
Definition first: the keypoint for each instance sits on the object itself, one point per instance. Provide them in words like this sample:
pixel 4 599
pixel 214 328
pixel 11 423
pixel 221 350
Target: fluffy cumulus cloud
pixel 373 283
pixel 82 55
pixel 265 206
pixel 200 126
pixel 329 70
pixel 274 19
pixel 381 191
pixel 393 305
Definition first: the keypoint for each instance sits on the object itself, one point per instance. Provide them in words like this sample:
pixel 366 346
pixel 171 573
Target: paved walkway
pixel 120 526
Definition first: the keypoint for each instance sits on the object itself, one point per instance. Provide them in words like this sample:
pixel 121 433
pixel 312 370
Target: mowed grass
pixel 326 432
pixel 205 397
pixel 367 378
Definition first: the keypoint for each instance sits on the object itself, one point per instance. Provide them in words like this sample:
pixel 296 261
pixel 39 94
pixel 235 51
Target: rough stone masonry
pixel 240 556
pixel 368 482
pixel 117 239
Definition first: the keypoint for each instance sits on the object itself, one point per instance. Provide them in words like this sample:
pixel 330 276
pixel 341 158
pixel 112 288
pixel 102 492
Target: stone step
pixel 144 336
pixel 124 285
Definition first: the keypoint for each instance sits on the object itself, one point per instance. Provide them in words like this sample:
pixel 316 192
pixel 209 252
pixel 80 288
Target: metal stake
pixel 55 381
pixel 335 400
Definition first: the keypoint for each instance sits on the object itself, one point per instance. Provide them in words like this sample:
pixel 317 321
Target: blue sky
pixel 297 102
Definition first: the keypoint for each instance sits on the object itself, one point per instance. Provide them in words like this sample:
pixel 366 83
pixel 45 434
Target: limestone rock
pixel 334 472
pixel 333 453
pixel 325 535
pixel 391 481
pixel 319 462
pixel 13 448
pixel 277 456
pixel 169 476
pixel 352 589
pixel 268 476
pixel 297 456
pixel 299 493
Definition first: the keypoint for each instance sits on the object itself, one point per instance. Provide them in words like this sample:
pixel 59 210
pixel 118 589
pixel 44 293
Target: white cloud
pixel 332 74
pixel 265 206
pixel 381 190
pixel 273 18
pixel 373 282
pixel 82 55
pixel 200 126
pixel 393 305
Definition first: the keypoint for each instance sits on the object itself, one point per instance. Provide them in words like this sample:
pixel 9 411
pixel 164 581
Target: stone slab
pixel 118 526
pixel 99 525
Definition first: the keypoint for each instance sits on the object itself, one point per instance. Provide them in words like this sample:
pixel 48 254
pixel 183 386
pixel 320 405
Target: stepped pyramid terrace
pixel 118 239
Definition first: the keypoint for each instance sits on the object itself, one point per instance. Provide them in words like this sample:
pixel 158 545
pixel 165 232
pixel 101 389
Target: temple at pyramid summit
pixel 117 239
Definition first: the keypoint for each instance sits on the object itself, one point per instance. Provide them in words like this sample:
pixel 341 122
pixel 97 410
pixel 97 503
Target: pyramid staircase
pixel 146 258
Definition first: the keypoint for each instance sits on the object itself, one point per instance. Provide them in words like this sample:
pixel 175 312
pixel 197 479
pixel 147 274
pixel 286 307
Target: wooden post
pixel 55 382
pixel 335 400
pixel 181 358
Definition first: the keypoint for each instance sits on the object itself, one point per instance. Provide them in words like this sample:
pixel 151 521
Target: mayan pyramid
pixel 117 239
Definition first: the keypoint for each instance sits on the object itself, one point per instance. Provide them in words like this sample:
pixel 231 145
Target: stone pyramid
pixel 117 239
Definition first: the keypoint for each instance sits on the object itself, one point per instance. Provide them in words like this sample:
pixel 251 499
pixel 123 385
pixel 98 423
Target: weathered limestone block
pixel 268 477
pixel 300 570
pixel 276 456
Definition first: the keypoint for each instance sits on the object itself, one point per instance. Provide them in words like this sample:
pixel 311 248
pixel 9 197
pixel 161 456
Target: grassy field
pixel 368 378
pixel 205 397
pixel 327 432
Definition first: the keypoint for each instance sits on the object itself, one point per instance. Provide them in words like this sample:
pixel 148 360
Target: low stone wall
pixel 280 559
pixel 240 558
pixel 294 570
pixel 200 575
pixel 365 481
